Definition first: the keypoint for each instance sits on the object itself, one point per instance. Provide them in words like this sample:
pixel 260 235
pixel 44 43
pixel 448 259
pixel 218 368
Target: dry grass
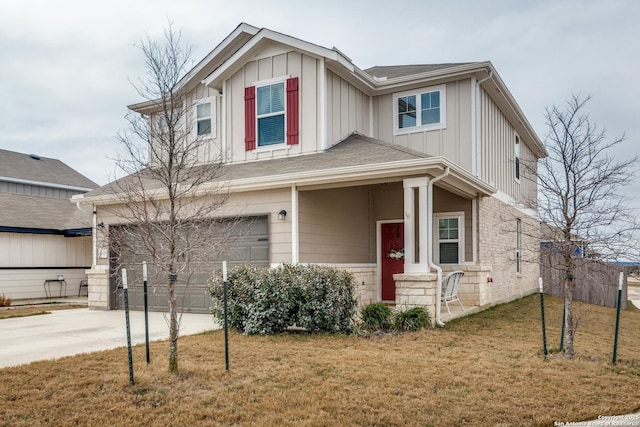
pixel 8 313
pixel 486 369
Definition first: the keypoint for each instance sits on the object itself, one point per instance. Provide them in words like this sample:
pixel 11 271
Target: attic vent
pixel 34 156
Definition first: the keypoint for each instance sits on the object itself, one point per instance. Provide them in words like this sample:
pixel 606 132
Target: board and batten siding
pixel 497 139
pixel 272 63
pixel 347 109
pixel 453 142
pixel 27 260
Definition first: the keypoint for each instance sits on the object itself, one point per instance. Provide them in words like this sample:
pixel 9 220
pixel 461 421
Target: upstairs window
pixel 516 150
pixel 270 113
pixel 205 121
pixel 417 111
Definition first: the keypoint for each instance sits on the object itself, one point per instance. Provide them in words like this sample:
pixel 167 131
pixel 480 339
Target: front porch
pixel 420 290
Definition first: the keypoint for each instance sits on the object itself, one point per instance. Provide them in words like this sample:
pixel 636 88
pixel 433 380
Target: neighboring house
pixel 365 163
pixel 42 234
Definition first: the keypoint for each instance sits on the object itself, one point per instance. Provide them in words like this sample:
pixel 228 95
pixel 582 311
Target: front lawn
pixel 486 369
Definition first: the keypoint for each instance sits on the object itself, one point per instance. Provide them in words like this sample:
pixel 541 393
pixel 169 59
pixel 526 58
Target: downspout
pixel 437 268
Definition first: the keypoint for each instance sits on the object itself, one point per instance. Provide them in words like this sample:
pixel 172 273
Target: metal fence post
pixel 226 323
pixel 615 340
pixel 146 310
pixel 126 311
pixel 544 331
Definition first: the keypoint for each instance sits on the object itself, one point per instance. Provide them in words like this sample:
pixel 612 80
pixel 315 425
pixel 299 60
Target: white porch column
pixel 295 244
pixel 416 262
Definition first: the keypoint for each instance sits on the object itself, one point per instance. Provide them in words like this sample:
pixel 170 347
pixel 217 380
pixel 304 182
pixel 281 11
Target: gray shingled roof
pixel 22 166
pixel 392 71
pixel 20 211
pixel 355 150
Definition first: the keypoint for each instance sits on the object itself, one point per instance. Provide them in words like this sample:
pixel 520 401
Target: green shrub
pixel 318 299
pixel 376 317
pixel 4 301
pixel 412 319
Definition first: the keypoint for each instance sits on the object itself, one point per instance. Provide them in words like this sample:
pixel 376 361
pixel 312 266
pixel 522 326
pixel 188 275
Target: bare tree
pixel 167 199
pixel 580 202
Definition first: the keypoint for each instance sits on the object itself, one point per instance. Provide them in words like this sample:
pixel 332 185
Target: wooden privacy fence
pixel 596 282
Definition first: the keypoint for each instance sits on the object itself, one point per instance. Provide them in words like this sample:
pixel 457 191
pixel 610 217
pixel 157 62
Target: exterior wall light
pixel 282 215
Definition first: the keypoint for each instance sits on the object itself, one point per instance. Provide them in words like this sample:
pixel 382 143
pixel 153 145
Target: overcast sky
pixel 65 65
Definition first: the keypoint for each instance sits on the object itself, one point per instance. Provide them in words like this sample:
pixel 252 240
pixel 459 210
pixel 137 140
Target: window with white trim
pixel 270 109
pixel 448 238
pixel 422 110
pixel 516 151
pixel 205 125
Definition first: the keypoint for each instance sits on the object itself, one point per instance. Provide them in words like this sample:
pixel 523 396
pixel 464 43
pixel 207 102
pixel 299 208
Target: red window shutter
pixel 292 111
pixel 250 118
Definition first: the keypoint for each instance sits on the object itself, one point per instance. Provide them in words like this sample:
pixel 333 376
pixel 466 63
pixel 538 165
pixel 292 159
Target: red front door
pixel 392 242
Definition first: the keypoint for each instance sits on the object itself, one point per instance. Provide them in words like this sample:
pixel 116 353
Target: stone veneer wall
pixel 497 248
pixel 98 281
pixel 474 290
pixel 416 290
pixel 366 280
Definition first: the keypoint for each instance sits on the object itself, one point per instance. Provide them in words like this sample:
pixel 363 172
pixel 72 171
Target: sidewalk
pixel 75 331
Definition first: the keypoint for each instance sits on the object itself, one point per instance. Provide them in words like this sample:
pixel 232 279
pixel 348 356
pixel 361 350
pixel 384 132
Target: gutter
pixel 439 321
pixel 44 184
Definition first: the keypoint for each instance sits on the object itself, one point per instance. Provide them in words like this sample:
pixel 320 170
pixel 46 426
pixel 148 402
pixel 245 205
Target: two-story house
pixel 394 173
pixel 42 235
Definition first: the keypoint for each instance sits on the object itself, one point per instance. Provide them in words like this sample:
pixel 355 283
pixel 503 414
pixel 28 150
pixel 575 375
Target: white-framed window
pixel 420 110
pixel 516 159
pixel 448 238
pixel 270 114
pixel 205 122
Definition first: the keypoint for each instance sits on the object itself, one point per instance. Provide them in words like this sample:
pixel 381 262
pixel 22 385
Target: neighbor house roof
pixel 38 170
pixel 41 215
pixel 355 160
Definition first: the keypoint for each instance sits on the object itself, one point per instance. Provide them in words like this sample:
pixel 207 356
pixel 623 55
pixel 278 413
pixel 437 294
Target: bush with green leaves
pixel 268 301
pixel 376 317
pixel 411 319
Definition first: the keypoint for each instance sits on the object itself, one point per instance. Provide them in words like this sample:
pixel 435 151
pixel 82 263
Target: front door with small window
pixel 391 257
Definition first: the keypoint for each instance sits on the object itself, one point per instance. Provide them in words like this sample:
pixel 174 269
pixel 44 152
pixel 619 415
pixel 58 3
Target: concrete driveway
pixel 75 331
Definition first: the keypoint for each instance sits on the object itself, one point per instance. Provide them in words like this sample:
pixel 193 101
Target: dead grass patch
pixel 485 369
pixel 9 313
